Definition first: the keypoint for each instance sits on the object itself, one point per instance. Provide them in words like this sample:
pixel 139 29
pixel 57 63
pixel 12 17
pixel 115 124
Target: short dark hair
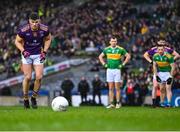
pixel 114 36
pixel 161 43
pixel 34 16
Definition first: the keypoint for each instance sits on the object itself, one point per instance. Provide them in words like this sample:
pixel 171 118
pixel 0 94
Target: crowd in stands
pixel 75 28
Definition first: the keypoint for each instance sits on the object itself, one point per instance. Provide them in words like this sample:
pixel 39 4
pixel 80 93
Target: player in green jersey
pixel 114 53
pixel 163 66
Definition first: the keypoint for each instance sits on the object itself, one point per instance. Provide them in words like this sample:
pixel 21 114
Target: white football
pixel 59 104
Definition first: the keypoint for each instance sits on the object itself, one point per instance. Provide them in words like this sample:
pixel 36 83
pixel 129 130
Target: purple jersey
pixel 154 50
pixel 33 40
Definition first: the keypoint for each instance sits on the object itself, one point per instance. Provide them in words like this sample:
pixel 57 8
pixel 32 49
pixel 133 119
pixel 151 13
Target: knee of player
pixel 28 77
pixel 111 89
pixel 38 77
pixel 162 90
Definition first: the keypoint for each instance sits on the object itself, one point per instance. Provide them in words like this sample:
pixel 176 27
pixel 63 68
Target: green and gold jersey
pixel 114 56
pixel 163 61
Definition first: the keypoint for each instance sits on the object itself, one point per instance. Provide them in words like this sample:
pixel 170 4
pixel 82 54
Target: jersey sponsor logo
pixel 34 43
pixel 113 56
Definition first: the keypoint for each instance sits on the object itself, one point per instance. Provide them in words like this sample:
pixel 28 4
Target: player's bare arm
pixel 147 57
pixel 155 68
pixel 176 55
pixel 19 43
pixel 47 42
pixel 172 69
pixel 128 57
pixel 101 58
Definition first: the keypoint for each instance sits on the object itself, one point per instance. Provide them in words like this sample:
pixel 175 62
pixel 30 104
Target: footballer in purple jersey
pixel 148 56
pixel 33 40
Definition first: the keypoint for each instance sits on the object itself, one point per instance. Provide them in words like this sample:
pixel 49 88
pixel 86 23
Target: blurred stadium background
pixel 80 30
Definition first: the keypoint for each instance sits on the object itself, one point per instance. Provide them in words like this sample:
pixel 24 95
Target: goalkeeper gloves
pixel 43 56
pixel 158 79
pixel 26 54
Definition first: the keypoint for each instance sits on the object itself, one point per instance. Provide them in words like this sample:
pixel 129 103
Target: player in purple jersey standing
pixel 33 40
pixel 148 56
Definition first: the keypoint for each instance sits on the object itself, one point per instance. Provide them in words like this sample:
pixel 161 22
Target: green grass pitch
pixel 90 118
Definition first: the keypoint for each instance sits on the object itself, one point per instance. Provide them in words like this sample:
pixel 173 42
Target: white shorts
pixel 164 76
pixel 32 59
pixel 113 75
